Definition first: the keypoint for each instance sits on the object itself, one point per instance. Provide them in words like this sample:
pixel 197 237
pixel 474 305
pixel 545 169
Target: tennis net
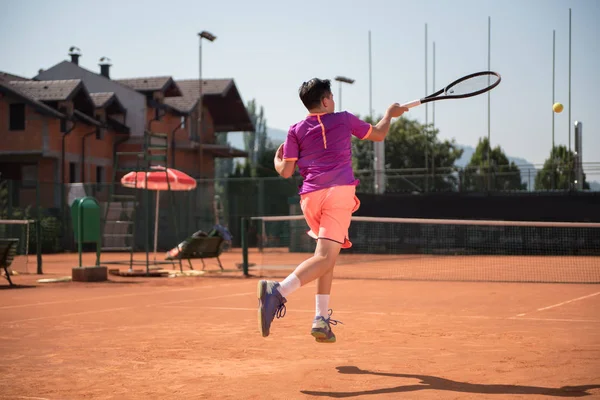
pixel 435 249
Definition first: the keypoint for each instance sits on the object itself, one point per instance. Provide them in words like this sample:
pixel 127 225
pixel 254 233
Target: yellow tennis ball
pixel 557 107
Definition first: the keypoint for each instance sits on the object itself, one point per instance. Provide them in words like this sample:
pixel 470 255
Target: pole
pixel 569 80
pixel 426 120
pixel 38 223
pixel 79 230
pixel 245 245
pixel 553 100
pixel 370 82
pixel 433 122
pixel 426 93
pixel 156 222
pixel 200 116
pixel 433 84
pixel 377 146
pixel 569 121
pixel 489 104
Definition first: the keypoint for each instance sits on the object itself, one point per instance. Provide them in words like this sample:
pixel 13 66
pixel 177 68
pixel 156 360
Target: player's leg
pixel 321 330
pixel 335 206
pixel 335 221
pixel 322 261
pixel 272 295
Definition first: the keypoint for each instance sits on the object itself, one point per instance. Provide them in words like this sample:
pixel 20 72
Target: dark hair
pixel 312 92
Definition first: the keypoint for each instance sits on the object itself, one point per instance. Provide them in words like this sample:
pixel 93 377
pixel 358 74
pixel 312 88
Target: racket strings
pixel 472 85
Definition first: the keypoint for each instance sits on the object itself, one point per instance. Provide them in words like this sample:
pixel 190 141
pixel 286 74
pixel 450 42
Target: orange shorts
pixel 328 212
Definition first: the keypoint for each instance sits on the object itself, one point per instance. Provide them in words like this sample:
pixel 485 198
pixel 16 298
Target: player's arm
pixel 382 128
pixel 285 168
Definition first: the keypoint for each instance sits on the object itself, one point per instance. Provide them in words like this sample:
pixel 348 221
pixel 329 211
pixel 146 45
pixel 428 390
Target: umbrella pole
pixel 156 223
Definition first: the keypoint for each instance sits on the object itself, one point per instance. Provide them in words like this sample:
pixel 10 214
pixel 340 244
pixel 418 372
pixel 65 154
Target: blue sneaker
pixel 321 329
pixel 271 304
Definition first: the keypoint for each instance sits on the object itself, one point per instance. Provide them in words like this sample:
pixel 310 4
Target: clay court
pixel 196 337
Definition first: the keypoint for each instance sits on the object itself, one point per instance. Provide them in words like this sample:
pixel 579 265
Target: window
pixel 16 117
pixel 29 175
pixel 72 172
pixel 99 177
pixel 182 122
pixel 99 174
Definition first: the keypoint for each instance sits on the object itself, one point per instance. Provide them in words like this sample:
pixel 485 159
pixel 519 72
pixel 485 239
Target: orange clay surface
pixel 196 337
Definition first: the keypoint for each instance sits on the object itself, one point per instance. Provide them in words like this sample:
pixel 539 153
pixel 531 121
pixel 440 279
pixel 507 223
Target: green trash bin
pixel 85 217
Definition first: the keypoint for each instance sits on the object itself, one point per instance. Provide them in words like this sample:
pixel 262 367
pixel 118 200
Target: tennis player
pixel 321 146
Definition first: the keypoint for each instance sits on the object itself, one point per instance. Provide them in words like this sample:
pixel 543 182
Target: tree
pixel 255 142
pixel 558 173
pixel 223 166
pixel 498 174
pixel 415 159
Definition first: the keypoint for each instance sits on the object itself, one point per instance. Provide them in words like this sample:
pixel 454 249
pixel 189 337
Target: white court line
pixel 63 315
pixel 152 293
pixel 117 309
pixel 47 303
pixel 31 398
pixel 554 319
pixel 204 298
pixel 563 303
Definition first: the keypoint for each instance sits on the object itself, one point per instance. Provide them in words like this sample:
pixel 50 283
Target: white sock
pixel 289 285
pixel 322 305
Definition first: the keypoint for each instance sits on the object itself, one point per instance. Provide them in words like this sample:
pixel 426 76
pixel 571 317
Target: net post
pixel 79 231
pixel 38 226
pixel 244 236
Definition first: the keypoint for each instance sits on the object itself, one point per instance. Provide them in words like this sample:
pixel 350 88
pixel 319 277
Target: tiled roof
pixel 100 99
pixel 150 84
pixel 5 76
pixel 48 90
pixel 41 107
pixel 190 89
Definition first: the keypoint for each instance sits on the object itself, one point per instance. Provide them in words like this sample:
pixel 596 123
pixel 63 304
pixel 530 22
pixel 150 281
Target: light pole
pixel 210 37
pixel 343 79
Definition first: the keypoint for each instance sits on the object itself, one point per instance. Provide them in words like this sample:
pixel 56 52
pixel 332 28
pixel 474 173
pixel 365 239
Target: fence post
pixel 38 226
pixel 244 237
pixel 261 196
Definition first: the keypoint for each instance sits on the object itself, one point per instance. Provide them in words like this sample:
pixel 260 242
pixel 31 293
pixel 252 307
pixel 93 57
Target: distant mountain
pixel 276 135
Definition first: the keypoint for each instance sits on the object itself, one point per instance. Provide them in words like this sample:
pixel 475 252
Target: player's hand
pixel 396 110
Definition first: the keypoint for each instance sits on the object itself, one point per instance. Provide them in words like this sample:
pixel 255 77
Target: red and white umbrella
pixel 159 179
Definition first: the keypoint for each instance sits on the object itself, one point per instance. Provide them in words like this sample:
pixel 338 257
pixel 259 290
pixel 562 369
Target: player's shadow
pixel 428 382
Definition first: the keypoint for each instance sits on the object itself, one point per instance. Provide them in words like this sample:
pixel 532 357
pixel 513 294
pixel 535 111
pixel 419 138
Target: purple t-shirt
pixel 321 145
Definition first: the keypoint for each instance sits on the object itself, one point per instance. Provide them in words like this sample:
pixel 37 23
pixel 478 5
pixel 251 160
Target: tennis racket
pixel 467 86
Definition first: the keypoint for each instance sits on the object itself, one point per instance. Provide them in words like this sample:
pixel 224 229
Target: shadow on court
pixel 16 286
pixel 436 383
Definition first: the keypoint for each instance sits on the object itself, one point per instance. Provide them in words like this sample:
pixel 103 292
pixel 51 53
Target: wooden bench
pixel 8 251
pixel 200 247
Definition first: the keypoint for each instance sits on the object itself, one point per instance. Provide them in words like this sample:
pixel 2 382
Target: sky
pixel 270 47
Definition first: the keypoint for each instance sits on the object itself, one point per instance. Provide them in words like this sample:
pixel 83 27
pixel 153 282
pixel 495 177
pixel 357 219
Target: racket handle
pixel 411 104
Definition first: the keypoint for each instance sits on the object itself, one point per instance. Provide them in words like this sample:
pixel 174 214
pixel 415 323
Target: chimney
pixel 105 67
pixel 75 53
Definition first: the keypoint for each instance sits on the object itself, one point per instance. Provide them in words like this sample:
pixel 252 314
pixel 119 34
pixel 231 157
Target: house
pixel 172 108
pixel 55 132
pixel 66 124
